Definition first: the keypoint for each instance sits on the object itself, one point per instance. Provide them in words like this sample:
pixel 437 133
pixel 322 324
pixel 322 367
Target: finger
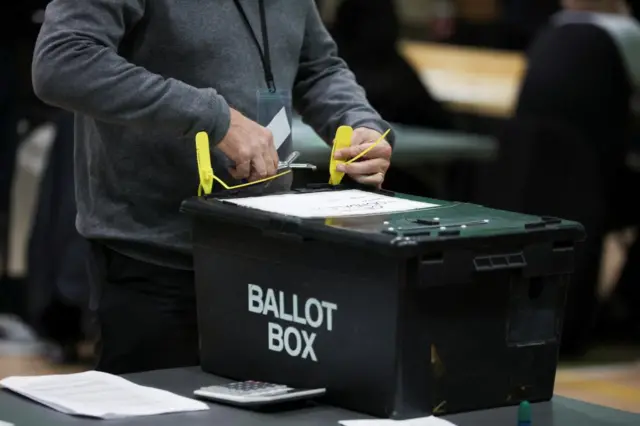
pixel 350 152
pixel 241 171
pixel 367 167
pixel 271 167
pixel 273 160
pixel 258 169
pixel 269 154
pixel 380 150
pixel 370 180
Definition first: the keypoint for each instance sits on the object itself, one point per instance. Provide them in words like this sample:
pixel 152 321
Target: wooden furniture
pixel 470 80
pixel 478 10
pixel 611 386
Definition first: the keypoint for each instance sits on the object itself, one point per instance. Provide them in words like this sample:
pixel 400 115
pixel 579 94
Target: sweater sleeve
pixel 76 66
pixel 326 92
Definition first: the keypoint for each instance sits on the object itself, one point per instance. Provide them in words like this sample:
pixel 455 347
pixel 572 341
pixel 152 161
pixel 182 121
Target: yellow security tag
pixel 205 170
pixel 341 141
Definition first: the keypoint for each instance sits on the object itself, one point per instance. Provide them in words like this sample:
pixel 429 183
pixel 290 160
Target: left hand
pixel 371 168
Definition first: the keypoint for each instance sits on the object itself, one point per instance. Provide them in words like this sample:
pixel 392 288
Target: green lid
pixel 524 412
pixel 473 220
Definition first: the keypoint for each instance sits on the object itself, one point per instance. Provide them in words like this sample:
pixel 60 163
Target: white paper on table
pixel 280 128
pixel 101 395
pixel 351 202
pixel 423 421
pixel 5 423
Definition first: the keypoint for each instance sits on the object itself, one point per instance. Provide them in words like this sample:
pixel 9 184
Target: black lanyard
pixel 264 51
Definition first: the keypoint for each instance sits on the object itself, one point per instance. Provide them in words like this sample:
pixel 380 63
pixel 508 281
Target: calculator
pixel 255 393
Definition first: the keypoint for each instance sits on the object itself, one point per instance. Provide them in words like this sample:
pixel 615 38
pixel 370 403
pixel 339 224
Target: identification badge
pixel 275 113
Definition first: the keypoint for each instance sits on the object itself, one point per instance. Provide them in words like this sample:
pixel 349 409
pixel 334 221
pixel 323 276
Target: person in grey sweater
pixel 143 77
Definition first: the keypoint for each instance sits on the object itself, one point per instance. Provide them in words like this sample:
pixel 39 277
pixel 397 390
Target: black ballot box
pixel 447 307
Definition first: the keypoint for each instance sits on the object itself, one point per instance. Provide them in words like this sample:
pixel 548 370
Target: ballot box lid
pixel 439 225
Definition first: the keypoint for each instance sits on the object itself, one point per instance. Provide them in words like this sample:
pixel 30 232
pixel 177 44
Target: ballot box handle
pixel 462 266
pixel 283 231
pixel 499 261
pixel 283 236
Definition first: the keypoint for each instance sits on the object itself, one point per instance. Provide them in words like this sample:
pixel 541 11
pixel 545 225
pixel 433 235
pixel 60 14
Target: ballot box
pixel 398 306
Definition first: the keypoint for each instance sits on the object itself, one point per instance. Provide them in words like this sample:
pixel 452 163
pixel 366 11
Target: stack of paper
pixel 326 204
pixel 423 421
pixel 100 395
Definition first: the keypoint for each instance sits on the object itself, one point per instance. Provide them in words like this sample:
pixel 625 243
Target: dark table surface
pixel 559 412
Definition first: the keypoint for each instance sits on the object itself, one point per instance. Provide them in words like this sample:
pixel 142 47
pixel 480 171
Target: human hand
pixel 372 167
pixel 250 146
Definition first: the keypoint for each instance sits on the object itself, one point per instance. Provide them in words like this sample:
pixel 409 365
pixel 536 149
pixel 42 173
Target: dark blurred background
pixel 500 104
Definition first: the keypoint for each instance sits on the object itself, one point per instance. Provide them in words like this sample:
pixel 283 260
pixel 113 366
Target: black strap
pixel 265 56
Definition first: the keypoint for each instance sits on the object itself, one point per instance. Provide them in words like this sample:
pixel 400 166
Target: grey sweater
pixel 144 76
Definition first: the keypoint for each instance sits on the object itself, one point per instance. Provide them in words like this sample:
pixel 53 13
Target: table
pixel 414 146
pixel 560 412
pixel 468 79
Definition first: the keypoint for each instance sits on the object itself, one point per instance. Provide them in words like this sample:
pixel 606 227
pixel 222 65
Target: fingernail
pixel 341 168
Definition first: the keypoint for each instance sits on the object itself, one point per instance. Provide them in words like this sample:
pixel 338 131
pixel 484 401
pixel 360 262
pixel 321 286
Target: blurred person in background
pixel 367 34
pixel 8 147
pixel 17 34
pixel 525 18
pixel 56 285
pixel 578 78
pixel 58 280
pixel 619 318
pixel 503 24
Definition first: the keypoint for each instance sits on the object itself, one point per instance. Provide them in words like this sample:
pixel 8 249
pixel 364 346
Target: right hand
pixel 250 146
